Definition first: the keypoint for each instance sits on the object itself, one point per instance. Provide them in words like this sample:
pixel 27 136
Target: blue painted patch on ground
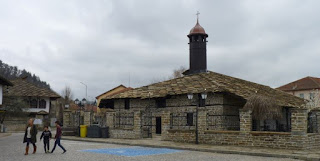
pixel 133 151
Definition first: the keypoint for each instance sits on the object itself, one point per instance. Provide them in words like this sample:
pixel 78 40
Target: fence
pixel 146 123
pixel 183 121
pixel 223 122
pixel 123 120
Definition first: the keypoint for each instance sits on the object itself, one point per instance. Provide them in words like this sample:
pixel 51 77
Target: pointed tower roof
pixel 197 29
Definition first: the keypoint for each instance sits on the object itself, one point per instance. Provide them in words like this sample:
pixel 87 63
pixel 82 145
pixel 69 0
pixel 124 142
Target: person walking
pixel 30 136
pixel 58 138
pixel 46 135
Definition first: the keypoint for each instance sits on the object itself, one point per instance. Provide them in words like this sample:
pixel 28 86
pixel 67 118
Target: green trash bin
pixel 83 131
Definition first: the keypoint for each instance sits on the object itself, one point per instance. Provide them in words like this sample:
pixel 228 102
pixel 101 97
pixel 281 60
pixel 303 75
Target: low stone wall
pixel 186 136
pixel 281 140
pixel 14 126
pixel 257 139
pixel 123 134
pixel 15 123
pixel 297 139
pixel 313 140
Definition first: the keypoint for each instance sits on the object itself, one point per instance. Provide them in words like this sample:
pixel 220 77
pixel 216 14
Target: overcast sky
pixel 103 43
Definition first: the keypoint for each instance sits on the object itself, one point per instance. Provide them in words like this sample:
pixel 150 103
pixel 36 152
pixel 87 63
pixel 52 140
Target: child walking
pixel 58 138
pixel 46 135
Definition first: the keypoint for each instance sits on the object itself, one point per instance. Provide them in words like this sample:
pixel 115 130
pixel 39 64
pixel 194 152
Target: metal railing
pixel 123 120
pixel 183 120
pixel 223 122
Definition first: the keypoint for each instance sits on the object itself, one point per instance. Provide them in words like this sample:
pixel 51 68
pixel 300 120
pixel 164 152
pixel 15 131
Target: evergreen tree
pixel 13 72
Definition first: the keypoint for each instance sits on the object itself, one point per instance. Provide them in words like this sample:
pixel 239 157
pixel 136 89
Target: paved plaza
pixel 11 148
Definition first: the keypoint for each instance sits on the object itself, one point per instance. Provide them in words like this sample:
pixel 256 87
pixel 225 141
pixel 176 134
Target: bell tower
pixel 198 49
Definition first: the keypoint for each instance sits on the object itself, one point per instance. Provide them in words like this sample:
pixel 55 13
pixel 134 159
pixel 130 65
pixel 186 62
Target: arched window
pixel 42 103
pixel 33 103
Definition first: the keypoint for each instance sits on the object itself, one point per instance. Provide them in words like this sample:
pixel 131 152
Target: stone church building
pixel 209 108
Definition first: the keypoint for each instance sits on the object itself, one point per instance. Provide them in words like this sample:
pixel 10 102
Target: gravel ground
pixel 11 148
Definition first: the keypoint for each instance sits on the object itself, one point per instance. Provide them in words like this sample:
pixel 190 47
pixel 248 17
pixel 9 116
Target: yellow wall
pixel 109 93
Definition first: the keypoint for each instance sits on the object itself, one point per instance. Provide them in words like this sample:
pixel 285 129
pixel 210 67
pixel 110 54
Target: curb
pixel 292 156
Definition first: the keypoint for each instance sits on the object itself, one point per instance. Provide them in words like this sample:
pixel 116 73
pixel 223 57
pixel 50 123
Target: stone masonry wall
pixel 135 132
pixel 297 139
pixel 122 133
pixel 299 121
pixel 257 139
pixel 219 104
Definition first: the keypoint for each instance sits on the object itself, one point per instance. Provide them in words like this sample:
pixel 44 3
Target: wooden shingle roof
pixel 25 89
pixel 212 82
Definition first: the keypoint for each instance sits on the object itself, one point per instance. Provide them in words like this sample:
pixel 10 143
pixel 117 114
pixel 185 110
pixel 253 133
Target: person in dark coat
pixel 46 135
pixel 58 138
pixel 30 136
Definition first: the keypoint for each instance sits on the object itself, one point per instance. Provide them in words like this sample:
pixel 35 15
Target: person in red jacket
pixel 58 138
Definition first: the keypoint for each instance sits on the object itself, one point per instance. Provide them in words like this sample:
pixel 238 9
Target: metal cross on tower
pixel 198 13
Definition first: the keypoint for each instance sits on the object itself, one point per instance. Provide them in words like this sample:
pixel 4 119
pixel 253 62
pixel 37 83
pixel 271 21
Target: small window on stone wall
pixel 189 119
pixel 202 102
pixel 110 104
pixel 127 104
pixel 161 102
pixel 42 103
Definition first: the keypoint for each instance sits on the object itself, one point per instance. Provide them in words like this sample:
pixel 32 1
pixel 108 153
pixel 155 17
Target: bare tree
pixel 178 72
pixel 67 94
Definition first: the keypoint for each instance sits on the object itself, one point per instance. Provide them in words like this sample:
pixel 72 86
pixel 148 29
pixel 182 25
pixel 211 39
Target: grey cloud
pixel 101 42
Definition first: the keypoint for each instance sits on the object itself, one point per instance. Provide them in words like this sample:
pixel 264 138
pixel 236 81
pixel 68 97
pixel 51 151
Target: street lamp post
pixel 81 104
pixel 203 96
pixel 86 90
pixel 87 97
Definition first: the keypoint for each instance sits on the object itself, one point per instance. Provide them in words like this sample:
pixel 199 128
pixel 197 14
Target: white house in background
pixel 307 88
pixel 3 84
pixel 37 100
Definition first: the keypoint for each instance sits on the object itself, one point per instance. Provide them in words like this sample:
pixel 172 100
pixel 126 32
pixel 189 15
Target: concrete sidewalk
pixel 4 134
pixel 311 155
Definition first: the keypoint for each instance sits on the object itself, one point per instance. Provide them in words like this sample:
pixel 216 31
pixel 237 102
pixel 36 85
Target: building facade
pixel 115 90
pixel 211 108
pixel 33 101
pixel 306 88
pixel 4 85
